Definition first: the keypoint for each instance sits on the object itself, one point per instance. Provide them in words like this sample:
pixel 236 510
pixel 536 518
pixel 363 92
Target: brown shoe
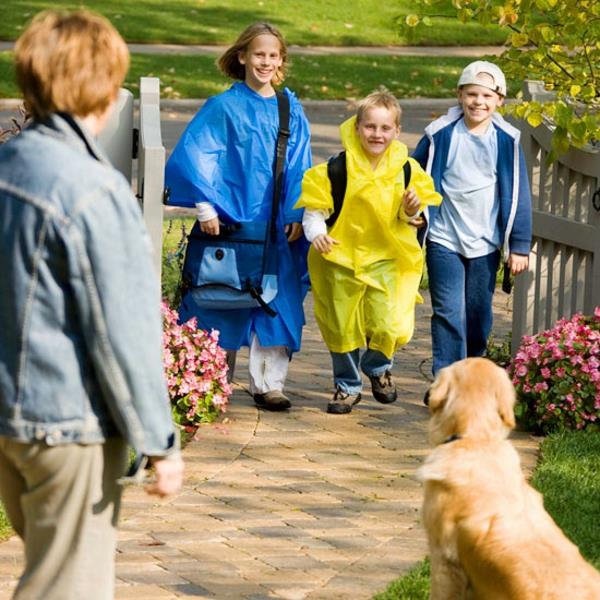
pixel 384 388
pixel 342 402
pixel 274 400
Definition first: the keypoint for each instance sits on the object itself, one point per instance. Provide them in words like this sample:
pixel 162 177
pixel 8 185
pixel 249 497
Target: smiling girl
pixel 223 166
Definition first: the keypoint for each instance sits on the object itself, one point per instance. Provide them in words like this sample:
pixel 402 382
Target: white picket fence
pixel 564 272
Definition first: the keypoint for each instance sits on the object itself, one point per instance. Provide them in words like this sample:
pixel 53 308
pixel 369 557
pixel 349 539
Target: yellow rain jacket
pixel 366 288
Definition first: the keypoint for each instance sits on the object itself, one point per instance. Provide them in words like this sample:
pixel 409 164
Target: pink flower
pixel 195 370
pixel 557 374
pixel 521 371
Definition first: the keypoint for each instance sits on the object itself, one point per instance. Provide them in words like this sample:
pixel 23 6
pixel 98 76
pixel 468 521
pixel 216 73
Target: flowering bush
pixel 557 376
pixel 195 369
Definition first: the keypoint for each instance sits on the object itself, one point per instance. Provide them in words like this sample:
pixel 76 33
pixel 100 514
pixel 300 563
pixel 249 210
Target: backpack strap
pixel 406 169
pixel 283 135
pixel 338 177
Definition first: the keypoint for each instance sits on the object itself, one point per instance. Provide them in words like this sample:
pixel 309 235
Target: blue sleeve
pixel 123 330
pixel 299 159
pixel 421 152
pixel 520 236
pixel 190 168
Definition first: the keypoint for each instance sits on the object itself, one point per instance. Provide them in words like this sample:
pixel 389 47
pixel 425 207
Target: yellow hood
pixel 357 161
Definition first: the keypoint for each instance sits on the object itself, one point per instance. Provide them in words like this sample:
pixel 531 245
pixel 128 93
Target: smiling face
pixel 261 59
pixel 478 103
pixel 376 130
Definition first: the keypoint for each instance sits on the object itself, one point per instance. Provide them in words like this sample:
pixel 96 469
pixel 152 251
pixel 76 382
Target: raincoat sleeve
pixel 298 160
pixel 189 174
pixel 316 190
pixel 423 186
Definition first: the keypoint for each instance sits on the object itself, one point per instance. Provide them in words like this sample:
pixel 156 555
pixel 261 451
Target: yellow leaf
pixel 534 119
pixel 519 39
pixel 412 20
pixel 575 89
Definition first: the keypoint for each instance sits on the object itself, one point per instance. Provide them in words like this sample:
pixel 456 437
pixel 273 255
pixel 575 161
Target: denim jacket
pixel 80 325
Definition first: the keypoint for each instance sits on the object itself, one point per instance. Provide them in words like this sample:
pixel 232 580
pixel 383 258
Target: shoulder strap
pixel 338 177
pixel 406 168
pixel 283 107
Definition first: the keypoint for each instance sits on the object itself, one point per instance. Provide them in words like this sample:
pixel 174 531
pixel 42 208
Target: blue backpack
pixel 237 268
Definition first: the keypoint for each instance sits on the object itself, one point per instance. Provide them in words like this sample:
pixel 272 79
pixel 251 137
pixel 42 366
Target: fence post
pixel 116 139
pixel 151 164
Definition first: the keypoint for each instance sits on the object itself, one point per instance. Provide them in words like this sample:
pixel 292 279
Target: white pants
pixel 267 367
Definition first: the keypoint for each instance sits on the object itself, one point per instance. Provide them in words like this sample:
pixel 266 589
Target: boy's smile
pixel 376 131
pixel 261 58
pixel 479 104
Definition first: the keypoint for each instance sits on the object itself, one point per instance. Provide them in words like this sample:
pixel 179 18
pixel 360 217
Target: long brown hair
pixel 229 63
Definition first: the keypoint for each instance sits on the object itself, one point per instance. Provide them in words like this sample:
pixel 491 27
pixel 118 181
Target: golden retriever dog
pixel 489 535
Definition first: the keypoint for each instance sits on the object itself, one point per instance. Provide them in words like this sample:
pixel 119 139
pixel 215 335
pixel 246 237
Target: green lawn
pixel 360 22
pixel 311 77
pixel 567 476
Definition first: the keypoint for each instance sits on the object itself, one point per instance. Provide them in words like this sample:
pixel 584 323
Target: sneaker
pixel 384 388
pixel 274 400
pixel 342 402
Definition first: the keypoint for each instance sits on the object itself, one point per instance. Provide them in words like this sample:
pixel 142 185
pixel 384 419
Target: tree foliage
pixel 556 42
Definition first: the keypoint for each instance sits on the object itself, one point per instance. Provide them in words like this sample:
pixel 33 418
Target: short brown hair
pixel 229 63
pixel 380 98
pixel 70 62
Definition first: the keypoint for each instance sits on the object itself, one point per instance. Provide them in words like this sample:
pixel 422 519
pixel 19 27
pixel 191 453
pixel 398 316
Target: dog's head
pixel 472 398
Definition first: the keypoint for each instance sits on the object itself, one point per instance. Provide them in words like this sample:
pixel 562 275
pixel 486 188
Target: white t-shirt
pixel 467 218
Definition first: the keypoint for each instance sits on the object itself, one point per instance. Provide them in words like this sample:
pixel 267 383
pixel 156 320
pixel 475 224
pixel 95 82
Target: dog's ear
pixel 437 395
pixel 505 398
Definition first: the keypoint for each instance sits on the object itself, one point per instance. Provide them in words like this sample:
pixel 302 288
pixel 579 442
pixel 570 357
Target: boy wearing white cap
pixel 475 160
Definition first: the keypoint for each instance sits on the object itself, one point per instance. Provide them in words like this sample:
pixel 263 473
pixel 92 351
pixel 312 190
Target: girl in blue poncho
pixel 223 166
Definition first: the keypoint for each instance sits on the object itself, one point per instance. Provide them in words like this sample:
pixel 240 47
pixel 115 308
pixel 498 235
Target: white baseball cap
pixel 470 74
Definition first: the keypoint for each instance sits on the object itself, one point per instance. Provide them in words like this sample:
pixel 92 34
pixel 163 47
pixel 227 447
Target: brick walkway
pixel 292 506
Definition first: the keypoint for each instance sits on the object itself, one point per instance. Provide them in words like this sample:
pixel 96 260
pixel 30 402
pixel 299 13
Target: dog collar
pixel 452 438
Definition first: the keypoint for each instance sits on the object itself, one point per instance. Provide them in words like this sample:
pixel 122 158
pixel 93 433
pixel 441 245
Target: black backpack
pixel 338 176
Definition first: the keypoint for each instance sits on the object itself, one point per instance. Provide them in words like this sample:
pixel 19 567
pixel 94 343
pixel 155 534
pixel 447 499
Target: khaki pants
pixel 63 501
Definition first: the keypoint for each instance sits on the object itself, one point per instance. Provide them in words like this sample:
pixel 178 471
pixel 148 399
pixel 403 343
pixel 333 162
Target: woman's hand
pixel 324 243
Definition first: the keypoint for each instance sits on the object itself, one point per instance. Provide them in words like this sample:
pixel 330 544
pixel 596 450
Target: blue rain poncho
pixel 225 157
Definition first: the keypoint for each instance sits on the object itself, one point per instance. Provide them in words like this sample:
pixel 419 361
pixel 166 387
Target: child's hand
pixel 411 202
pixel 518 263
pixel 324 243
pixel 211 226
pixel 293 231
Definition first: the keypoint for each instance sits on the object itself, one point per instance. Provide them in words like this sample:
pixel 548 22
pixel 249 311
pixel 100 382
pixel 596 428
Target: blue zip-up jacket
pixel 514 216
pixel 80 325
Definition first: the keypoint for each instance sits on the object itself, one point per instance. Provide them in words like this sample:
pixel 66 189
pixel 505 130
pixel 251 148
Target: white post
pixel 151 165
pixel 116 139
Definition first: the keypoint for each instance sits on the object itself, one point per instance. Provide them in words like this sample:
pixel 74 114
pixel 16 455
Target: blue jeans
pixel 461 296
pixel 347 366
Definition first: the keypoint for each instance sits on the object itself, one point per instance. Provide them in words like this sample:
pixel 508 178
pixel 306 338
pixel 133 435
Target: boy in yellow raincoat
pixel 365 269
